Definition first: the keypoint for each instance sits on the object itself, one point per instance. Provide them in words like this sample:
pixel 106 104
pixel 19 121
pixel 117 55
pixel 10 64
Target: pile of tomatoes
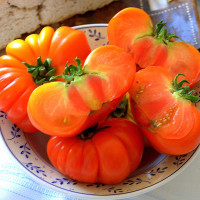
pixel 52 82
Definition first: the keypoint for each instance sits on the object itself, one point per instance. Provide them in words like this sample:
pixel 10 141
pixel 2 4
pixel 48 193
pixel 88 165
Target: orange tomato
pixel 68 108
pixel 44 54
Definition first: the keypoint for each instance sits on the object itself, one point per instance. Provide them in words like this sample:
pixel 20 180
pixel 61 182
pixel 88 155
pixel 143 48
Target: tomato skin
pixel 149 52
pixel 176 57
pixel 183 58
pixel 62 109
pixel 16 87
pixel 107 157
pixel 17 84
pixel 132 30
pixel 176 146
pixel 169 122
pixel 124 23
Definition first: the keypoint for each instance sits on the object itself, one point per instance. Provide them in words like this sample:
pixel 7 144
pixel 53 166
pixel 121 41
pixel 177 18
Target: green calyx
pixel 161 33
pixel 42 72
pixel 184 91
pixel 121 110
pixel 91 131
pixel 71 72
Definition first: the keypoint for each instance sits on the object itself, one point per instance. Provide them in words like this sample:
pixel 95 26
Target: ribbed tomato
pixel 105 154
pixel 31 62
pixel 87 96
pixel 164 111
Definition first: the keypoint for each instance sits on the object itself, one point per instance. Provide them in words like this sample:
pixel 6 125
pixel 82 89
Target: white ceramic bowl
pixel 29 151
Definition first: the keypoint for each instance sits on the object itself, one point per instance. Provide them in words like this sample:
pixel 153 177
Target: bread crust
pixel 25 16
pixel 24 3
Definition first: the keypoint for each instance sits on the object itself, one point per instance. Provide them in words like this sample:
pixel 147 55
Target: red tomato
pixel 106 154
pixel 164 111
pixel 18 81
pixel 132 30
pixel 68 108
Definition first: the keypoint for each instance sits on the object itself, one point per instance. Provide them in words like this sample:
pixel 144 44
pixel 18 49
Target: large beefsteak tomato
pixel 132 30
pixel 164 111
pixel 87 96
pixel 106 154
pixel 31 62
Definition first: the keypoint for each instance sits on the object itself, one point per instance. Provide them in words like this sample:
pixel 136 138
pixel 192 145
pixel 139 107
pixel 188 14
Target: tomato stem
pixel 121 110
pixel 71 71
pixel 91 131
pixel 41 72
pixel 162 34
pixel 184 91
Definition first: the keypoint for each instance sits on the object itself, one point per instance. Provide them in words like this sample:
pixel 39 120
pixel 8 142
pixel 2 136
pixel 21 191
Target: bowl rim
pixel 90 25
